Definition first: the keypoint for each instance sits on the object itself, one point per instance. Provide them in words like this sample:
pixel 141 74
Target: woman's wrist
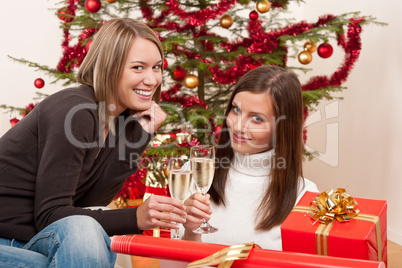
pixel 191 236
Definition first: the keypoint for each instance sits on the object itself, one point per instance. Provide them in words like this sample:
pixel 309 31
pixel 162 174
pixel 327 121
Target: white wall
pixel 28 30
pixel 368 155
pixel 364 144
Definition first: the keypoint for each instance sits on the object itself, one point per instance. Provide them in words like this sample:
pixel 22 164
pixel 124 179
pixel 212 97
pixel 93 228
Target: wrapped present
pixel 332 223
pixel 196 254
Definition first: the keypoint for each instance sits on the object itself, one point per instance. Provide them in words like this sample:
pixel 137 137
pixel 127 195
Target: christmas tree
pixel 208 46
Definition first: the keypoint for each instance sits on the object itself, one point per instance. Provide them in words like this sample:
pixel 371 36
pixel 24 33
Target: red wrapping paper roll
pixel 181 250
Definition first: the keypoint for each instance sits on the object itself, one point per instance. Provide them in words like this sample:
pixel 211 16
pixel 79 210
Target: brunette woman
pixel 258 177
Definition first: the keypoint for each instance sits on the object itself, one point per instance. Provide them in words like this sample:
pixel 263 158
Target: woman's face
pixel 251 122
pixel 142 74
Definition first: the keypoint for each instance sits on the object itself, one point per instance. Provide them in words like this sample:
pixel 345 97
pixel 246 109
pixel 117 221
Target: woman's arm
pixel 66 132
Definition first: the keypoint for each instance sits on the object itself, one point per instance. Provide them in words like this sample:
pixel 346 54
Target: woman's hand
pixel 154 212
pixel 198 209
pixel 152 118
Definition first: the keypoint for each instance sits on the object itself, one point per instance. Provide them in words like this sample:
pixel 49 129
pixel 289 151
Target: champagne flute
pixel 180 179
pixel 203 165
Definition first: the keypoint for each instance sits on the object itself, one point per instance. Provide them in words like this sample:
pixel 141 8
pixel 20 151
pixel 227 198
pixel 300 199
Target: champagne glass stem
pixel 174 232
pixel 205 223
pixel 205 227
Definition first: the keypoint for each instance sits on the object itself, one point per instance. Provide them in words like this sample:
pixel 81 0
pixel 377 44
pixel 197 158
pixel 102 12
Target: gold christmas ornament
pixel 166 171
pixel 226 21
pixel 263 6
pixel 111 1
pixel 310 46
pixel 305 57
pixel 191 81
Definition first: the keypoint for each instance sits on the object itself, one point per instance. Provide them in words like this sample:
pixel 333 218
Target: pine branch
pixel 38 67
pixel 69 78
pixel 11 109
pixel 311 98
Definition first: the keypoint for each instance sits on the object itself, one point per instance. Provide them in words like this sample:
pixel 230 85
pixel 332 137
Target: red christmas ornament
pixel 39 83
pixel 61 14
pixel 165 63
pixel 325 50
pixel 253 15
pixel 14 121
pixel 179 73
pixel 88 45
pixel 209 46
pixel 93 6
pixel 253 66
pixel 217 133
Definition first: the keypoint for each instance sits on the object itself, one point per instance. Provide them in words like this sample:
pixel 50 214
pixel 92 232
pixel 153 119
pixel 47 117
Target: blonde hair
pixel 104 62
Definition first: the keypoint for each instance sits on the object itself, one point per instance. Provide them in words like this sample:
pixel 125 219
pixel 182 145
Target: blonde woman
pixel 75 150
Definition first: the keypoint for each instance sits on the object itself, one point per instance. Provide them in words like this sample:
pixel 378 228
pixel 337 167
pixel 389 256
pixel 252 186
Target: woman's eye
pixel 157 67
pixel 236 110
pixel 257 119
pixel 138 68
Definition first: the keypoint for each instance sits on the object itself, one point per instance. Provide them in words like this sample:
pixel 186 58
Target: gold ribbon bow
pixel 225 257
pixel 331 205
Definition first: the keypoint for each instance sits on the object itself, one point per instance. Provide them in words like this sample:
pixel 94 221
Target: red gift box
pixel 363 237
pixel 189 251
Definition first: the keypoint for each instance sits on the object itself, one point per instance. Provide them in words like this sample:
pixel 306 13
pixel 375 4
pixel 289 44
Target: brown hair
pixel 103 64
pixel 280 196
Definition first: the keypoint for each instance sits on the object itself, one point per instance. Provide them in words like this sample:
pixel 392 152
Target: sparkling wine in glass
pixel 180 179
pixel 203 166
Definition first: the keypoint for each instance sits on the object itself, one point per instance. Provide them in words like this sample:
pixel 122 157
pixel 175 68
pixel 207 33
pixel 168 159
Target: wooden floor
pixel 394 255
pixel 394 258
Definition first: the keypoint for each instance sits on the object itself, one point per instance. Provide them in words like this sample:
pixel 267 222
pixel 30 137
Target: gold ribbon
pixel 333 205
pixel 376 220
pixel 326 222
pixel 321 238
pixel 225 257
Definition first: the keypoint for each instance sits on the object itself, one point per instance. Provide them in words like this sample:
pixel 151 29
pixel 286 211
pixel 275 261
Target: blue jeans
pixel 74 241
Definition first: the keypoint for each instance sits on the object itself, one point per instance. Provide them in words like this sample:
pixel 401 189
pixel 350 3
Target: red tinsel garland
pixel 135 181
pixel 198 18
pixel 73 56
pixel 190 19
pixel 71 8
pixel 185 101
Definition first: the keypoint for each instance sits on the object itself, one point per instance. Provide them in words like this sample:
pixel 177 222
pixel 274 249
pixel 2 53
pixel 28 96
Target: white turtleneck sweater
pixel 246 183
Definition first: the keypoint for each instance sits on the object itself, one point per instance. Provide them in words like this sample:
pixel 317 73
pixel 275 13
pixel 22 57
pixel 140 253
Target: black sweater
pixel 49 168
